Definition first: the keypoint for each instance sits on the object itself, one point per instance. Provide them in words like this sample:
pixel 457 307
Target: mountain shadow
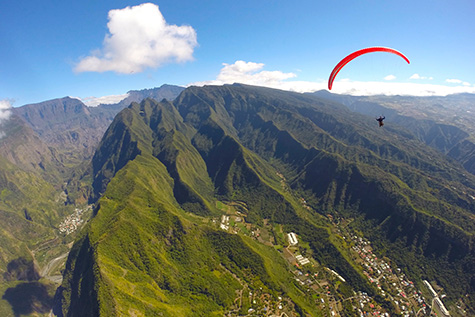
pixel 21 269
pixel 29 298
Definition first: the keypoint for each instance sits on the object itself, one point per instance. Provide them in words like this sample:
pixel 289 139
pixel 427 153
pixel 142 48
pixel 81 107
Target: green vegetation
pixel 29 209
pixel 164 172
pixel 142 252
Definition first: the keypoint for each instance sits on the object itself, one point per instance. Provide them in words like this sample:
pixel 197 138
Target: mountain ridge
pixel 164 169
pixel 449 129
pixel 237 130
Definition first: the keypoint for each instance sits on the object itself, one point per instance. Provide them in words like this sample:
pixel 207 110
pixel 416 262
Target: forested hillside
pixel 163 169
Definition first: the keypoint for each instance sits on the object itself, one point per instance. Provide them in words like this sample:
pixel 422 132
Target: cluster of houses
pixel 72 222
pixel 407 298
pixel 367 308
pixel 321 286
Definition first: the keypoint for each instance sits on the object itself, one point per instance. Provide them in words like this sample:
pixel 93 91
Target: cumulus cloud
pixel 417 76
pixel 253 74
pixel 248 72
pixel 140 38
pixel 104 100
pixel 390 77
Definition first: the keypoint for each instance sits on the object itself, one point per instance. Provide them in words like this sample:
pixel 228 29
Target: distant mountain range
pixel 74 129
pixel 169 92
pixel 445 123
pixel 164 166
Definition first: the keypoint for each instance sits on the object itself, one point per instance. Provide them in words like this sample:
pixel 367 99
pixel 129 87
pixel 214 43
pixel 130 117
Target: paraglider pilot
pixel 380 120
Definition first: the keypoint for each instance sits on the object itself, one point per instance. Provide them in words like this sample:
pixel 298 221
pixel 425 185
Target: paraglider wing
pixel 353 55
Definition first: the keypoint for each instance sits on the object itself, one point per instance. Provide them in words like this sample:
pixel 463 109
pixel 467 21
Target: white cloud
pixel 248 72
pixel 417 76
pixel 140 38
pixel 458 81
pixel 390 77
pixel 253 74
pixel 105 100
pixel 5 106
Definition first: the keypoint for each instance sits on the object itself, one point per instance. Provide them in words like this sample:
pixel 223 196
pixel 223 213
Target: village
pixel 72 222
pixel 324 284
pixel 390 281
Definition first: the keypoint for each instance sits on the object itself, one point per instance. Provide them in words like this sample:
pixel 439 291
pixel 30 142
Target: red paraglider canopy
pixel 354 55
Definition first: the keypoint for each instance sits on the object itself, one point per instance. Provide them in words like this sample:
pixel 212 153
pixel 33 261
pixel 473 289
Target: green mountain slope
pixel 24 148
pixel 143 255
pixel 162 167
pixel 409 186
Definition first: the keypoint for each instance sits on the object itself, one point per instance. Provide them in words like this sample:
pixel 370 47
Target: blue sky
pixel 52 49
